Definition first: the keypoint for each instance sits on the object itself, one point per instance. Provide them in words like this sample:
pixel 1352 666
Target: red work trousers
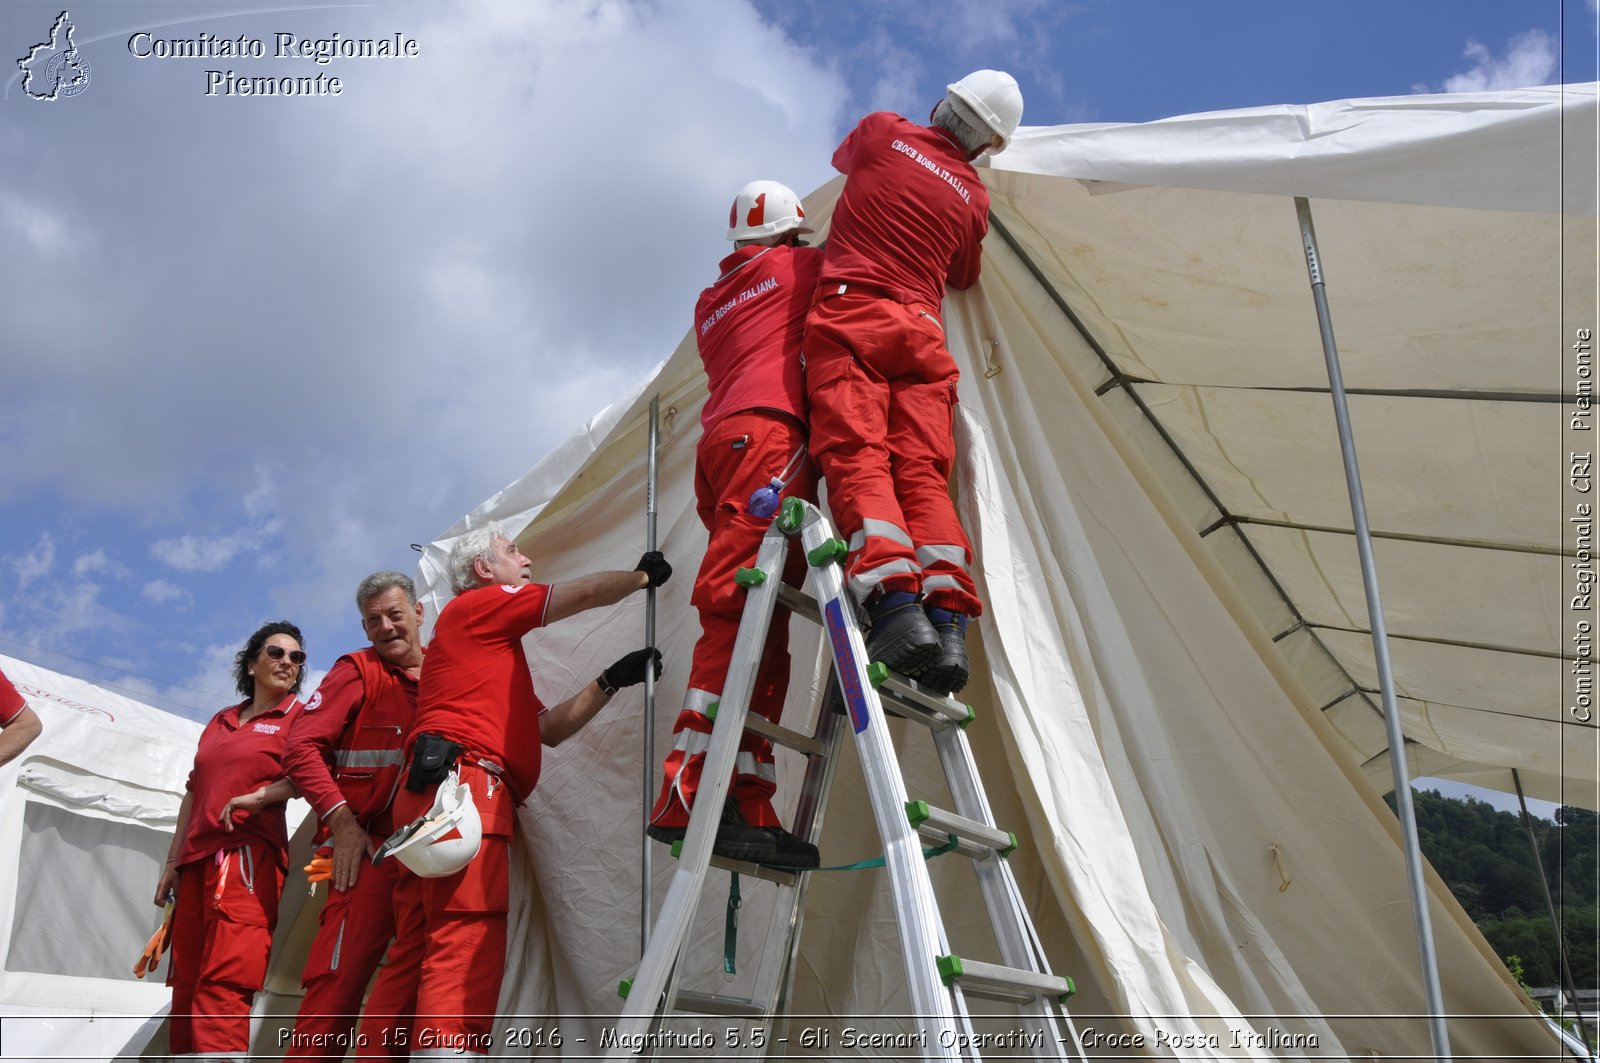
pixel 742 453
pixel 352 934
pixel 221 938
pixel 441 986
pixel 882 389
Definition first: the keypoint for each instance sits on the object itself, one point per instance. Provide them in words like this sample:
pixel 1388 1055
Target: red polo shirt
pixel 749 325
pixel 11 702
pixel 477 690
pixel 233 760
pixel 912 216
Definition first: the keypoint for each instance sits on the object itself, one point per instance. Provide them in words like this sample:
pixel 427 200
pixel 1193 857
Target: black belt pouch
pixel 432 758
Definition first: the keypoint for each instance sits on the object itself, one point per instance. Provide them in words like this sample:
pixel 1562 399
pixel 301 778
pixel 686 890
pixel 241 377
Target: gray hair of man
pixel 969 130
pixel 379 582
pixel 475 544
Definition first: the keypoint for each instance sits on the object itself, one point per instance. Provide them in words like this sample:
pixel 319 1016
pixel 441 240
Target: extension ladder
pixel 939 982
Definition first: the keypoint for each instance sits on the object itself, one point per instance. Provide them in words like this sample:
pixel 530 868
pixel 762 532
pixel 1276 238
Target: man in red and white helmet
pixel 881 382
pixel 748 325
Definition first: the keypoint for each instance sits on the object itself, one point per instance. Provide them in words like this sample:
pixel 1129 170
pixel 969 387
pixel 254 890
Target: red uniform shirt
pixel 233 760
pixel 11 702
pixel 323 727
pixel 912 216
pixel 749 325
pixel 476 690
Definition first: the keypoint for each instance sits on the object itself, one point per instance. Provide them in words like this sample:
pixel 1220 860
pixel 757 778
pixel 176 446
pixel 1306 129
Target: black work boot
pixel 792 852
pixel 901 636
pixel 948 672
pixel 736 839
pixel 666 835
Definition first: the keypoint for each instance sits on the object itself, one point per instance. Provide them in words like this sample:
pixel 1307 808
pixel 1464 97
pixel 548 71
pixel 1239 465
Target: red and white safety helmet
pixel 765 208
pixel 994 97
pixel 445 839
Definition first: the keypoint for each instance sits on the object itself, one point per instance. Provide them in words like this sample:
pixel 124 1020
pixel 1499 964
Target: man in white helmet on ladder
pixel 881 382
pixel 752 452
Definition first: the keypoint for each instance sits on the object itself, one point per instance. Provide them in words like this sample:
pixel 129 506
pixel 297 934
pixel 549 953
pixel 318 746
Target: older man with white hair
pixel 479 717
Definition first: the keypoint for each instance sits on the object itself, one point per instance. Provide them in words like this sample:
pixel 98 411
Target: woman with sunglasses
pixel 228 857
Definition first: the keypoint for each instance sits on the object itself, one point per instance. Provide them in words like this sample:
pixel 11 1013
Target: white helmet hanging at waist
pixel 442 841
pixel 765 208
pixel 994 97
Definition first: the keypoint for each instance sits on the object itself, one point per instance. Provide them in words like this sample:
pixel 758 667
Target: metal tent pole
pixel 1380 646
pixel 1550 905
pixel 649 757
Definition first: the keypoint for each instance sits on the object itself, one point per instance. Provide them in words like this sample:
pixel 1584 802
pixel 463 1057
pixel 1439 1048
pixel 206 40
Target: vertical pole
pixel 1380 647
pixel 649 757
pixel 1550 906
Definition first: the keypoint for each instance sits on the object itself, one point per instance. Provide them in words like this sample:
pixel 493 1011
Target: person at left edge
pixel 19 725
pixel 436 997
pixel 228 855
pixel 344 756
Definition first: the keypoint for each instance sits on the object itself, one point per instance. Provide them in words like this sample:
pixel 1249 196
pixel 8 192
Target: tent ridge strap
pixel 1346 696
pixel 1487 712
pixel 1405 537
pixel 1395 393
pixel 1435 641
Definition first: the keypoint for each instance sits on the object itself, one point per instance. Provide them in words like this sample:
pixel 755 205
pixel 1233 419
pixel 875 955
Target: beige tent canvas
pixel 1176 701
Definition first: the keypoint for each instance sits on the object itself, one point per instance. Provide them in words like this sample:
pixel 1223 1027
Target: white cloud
pixel 214 675
pixel 1532 58
pixel 197 553
pixel 160 592
pixel 43 228
pixel 36 562
pixel 87 563
pixel 421 289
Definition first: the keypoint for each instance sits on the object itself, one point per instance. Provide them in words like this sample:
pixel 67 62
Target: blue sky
pixel 254 348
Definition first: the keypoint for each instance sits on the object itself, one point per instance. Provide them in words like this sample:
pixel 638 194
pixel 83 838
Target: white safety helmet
pixel 445 839
pixel 765 208
pixel 993 96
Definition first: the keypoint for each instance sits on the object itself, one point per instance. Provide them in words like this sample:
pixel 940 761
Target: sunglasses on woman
pixel 277 653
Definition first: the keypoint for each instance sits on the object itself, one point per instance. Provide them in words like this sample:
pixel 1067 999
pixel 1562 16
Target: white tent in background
pixel 1175 695
pixel 86 814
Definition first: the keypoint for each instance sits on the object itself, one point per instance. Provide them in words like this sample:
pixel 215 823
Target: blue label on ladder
pixel 845 665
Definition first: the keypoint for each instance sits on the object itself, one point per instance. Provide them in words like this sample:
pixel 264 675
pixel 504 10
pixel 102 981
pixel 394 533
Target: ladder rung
pixel 766 874
pixel 935 710
pixel 714 1004
pixel 995 982
pixel 799 603
pixel 993 839
pixel 779 735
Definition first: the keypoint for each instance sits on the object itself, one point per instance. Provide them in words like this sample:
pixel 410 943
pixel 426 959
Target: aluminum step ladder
pixel 938 980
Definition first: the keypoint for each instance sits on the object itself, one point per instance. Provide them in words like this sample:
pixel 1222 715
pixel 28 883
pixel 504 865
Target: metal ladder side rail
pixel 1014 932
pixel 771 1009
pixel 973 824
pixel 941 1005
pixel 648 989
pixel 808 819
pixel 937 979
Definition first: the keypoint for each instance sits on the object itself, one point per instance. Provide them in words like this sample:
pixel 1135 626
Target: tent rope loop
pixel 1277 860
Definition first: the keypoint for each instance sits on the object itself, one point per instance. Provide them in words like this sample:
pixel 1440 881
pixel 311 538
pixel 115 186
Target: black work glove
pixel 629 669
pixel 654 566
